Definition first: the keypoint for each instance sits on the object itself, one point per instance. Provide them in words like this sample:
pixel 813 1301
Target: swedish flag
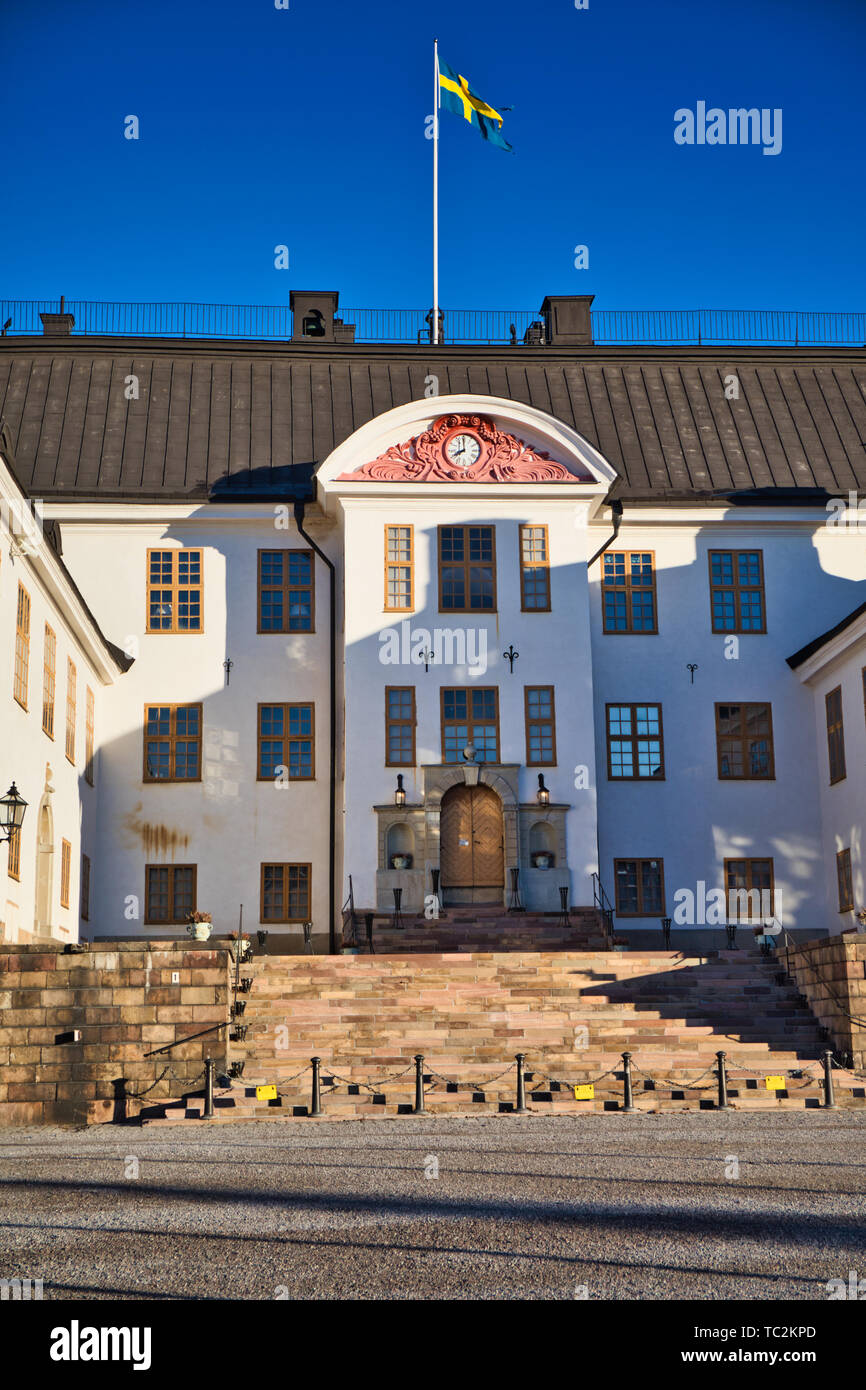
pixel 456 95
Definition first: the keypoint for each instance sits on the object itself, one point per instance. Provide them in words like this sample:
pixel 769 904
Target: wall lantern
pixel 543 793
pixel 12 808
pixel 399 795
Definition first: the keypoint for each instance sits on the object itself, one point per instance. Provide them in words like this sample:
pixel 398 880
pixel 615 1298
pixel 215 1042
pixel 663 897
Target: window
pixel 88 736
pixel 13 862
pixel 640 887
pixel 70 709
pixel 540 726
pixel 169 893
pixel 22 647
pixel 172 743
pixel 470 716
pixel 835 735
pixel 635 747
pixel 285 893
pixel 174 591
pixel 65 861
pixel 628 591
pixel 744 742
pixel 749 886
pixel 286 741
pixel 286 591
pixel 534 570
pixel 399 568
pixel 85 888
pixel 49 674
pixel 844 880
pixel 399 725
pixel 467 569
pixel 737 590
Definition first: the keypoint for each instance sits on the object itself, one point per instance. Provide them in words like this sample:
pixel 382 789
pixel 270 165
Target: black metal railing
pixel 273 322
pixel 605 906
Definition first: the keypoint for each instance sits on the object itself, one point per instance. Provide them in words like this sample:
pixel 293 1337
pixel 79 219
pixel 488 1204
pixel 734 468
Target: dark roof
pixel 255 418
pixel 818 642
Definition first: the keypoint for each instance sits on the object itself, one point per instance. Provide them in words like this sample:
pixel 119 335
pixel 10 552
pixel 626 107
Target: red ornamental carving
pixel 503 458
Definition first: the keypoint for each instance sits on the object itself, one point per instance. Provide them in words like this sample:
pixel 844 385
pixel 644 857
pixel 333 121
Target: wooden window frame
pixel 279 921
pixel 172 920
pixel 844 880
pixel 835 738
pixel 400 565
pixel 736 589
pixel 749 861
pixel 530 566
pixel 467 564
pixel 49 680
pixel 287 590
pixel 176 589
pixel 646 859
pixel 21 674
pixel 172 740
pixel 85 888
pixel 629 590
pixel 743 739
pixel 470 690
pixel 65 871
pixel 13 857
pixel 286 738
pixel 89 718
pixel 402 723
pixel 634 738
pixel 530 722
pixel 71 708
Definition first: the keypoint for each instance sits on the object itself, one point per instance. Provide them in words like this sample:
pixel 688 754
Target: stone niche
pixel 413 832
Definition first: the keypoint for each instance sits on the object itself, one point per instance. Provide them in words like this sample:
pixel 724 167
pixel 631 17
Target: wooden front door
pixel 471 848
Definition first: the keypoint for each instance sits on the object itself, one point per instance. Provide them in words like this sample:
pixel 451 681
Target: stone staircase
pixel 573 1013
pixel 474 929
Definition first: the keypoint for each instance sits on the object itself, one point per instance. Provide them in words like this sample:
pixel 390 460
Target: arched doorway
pixel 471 845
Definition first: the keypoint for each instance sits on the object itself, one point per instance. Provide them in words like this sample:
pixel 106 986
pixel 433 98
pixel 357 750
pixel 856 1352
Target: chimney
pixel 567 319
pixel 58 325
pixel 313 318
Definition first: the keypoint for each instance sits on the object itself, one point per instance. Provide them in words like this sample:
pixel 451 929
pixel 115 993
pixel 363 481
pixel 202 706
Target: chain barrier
pixel 557 1081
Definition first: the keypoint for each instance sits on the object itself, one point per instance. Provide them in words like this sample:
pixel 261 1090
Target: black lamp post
pixel 12 808
pixel 400 794
pixel 543 793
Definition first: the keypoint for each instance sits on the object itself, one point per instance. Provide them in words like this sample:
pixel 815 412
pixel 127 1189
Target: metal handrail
pixel 274 322
pixel 601 901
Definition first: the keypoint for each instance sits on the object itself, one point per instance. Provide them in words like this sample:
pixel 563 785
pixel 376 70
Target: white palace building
pixel 477 618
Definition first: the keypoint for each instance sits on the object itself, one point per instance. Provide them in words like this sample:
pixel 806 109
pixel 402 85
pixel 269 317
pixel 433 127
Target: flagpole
pixel 435 333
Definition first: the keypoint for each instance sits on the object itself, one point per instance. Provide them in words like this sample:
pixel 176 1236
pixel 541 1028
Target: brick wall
pixel 831 974
pixel 122 999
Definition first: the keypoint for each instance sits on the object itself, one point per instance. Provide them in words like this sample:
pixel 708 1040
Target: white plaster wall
pixel 26 751
pixel 691 819
pixel 554 650
pixel 228 824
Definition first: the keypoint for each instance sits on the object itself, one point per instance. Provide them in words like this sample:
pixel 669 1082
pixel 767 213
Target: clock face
pixel 463 449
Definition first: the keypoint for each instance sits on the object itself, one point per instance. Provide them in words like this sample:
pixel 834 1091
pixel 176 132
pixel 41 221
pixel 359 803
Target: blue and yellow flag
pixel 456 95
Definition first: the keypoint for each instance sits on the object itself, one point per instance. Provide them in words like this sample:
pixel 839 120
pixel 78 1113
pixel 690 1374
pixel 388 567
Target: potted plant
pixel 401 861
pixel 199 925
pixel 542 859
pixel 243 947
pixel 861 919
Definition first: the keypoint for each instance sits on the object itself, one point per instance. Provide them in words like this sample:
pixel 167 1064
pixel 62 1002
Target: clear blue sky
pixel 306 127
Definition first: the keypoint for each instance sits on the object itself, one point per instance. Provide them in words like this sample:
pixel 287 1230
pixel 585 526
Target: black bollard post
pixel 316 1105
pixel 208 1088
pixel 723 1081
pixel 627 1101
pixel 419 1084
pixel 829 1093
pixel 520 1107
pixel 666 932
pixel 368 924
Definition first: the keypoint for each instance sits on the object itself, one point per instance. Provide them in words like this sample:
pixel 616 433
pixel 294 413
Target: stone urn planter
pixel 400 861
pixel 199 926
pixel 542 860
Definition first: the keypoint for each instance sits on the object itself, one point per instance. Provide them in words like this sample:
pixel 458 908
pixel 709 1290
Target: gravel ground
pixel 637 1207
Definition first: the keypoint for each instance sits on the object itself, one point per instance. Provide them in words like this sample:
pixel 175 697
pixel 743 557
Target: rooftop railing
pixel 518 327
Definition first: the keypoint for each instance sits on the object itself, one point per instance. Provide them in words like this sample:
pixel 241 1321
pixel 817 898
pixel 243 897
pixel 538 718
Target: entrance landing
pixel 468 929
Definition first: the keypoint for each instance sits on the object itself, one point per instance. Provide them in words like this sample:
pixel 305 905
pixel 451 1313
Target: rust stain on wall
pixel 155 839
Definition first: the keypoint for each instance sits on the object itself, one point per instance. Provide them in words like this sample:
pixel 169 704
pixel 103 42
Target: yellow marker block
pixel 266 1093
pixel 584 1093
pixel 776 1083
